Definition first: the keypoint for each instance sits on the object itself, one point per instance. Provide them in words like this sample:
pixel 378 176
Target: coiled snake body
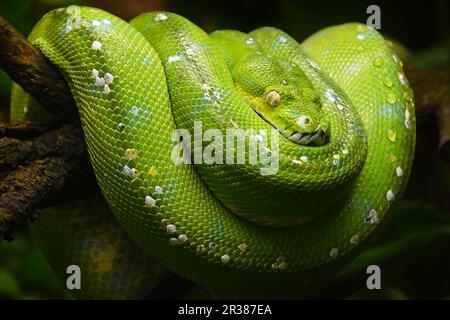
pixel 339 102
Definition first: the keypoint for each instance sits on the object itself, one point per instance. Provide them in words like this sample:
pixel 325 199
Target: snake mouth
pixel 317 138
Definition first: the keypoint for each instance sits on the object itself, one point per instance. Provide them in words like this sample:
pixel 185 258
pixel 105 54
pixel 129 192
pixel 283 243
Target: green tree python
pixel 343 116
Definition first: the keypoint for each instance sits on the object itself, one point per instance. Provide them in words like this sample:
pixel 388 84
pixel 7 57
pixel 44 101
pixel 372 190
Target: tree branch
pixel 432 94
pixel 36 163
pixel 50 162
pixel 28 67
pixel 66 141
pixel 21 130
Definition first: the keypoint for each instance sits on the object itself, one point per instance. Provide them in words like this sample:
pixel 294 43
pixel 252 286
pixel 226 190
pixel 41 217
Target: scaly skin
pixel 219 224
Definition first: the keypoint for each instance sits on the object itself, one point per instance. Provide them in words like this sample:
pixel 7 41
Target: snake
pixel 327 129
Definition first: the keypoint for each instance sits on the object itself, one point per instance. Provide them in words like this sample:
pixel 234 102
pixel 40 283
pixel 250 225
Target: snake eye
pixel 273 98
pixel 303 121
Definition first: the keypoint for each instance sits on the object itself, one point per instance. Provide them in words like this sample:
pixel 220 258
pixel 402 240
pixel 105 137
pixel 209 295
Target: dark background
pixel 412 248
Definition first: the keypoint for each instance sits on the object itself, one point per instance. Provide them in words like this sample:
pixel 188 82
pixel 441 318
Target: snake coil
pixel 345 131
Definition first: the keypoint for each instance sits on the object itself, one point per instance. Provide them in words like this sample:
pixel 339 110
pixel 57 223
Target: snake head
pixel 283 96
